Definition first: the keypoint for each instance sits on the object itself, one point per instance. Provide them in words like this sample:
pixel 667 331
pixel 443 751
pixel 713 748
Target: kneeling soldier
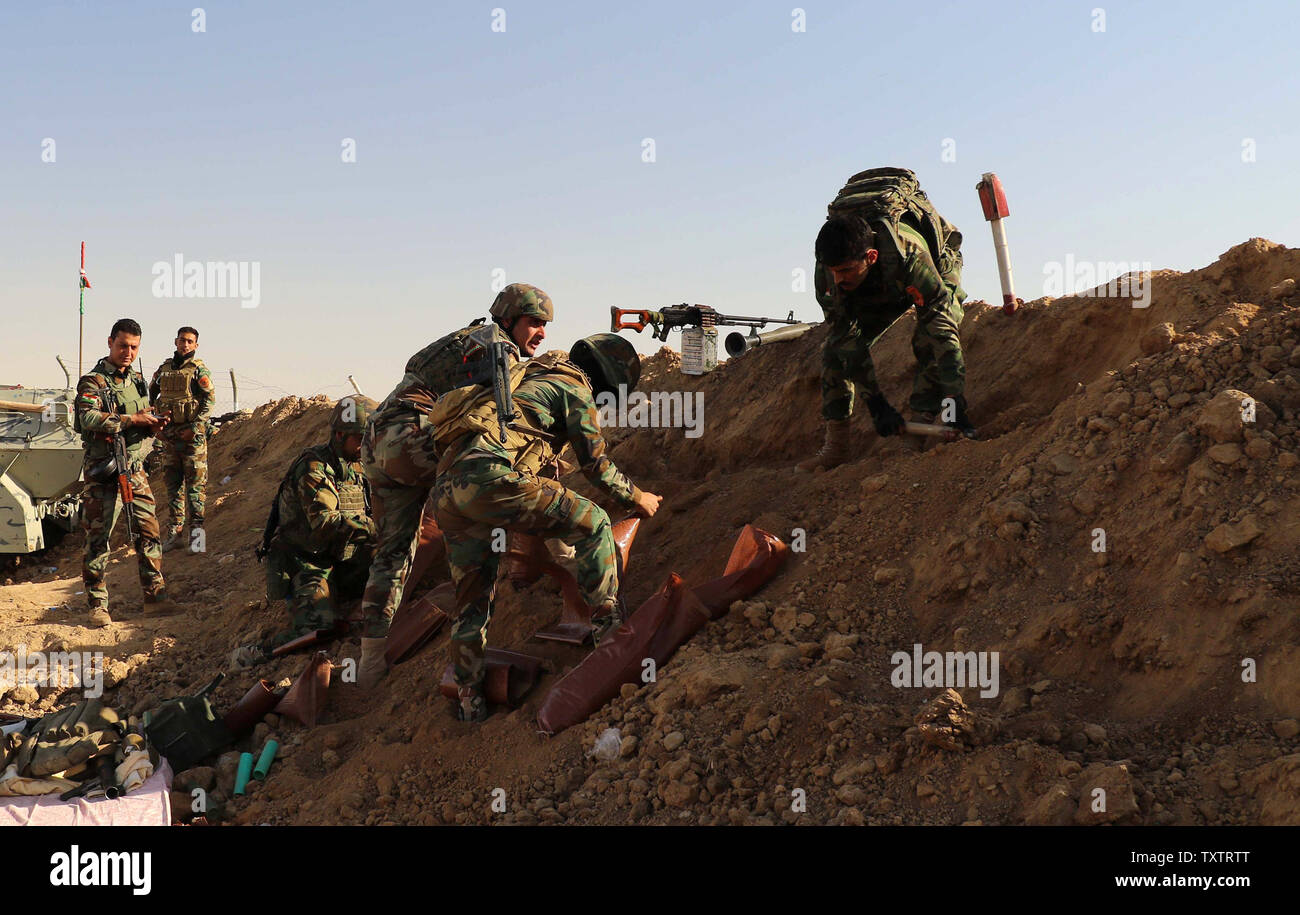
pixel 319 538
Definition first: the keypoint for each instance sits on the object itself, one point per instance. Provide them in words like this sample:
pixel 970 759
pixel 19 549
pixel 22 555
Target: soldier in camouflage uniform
pixel 114 400
pixel 860 304
pixel 182 391
pixel 399 456
pixel 485 484
pixel 321 537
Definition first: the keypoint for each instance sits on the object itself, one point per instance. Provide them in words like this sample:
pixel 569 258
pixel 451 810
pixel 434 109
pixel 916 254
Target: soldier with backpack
pixel 400 457
pixel 489 480
pixel 883 250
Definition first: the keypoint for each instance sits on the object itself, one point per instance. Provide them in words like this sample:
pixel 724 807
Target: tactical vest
pixel 469 412
pixel 122 396
pixel 176 391
pixel 352 497
pixel 434 371
pixel 289 516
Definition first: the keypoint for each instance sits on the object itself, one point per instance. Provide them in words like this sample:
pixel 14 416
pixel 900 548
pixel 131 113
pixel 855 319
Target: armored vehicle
pixel 40 467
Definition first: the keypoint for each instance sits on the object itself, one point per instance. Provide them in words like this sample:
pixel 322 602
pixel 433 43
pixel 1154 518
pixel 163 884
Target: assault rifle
pixel 677 316
pixel 123 470
pixel 492 369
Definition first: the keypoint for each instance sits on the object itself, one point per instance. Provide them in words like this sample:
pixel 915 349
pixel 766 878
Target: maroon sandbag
pixel 510 675
pixel 418 621
pixel 574 625
pixel 755 558
pixel 306 698
pixel 252 708
pixel 430 551
pixel 657 628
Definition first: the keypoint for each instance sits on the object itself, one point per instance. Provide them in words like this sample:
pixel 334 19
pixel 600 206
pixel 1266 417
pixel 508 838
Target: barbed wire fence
pixel 252 393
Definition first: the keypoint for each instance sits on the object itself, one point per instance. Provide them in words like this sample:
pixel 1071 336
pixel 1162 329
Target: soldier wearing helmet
pixel 399 458
pixel 484 483
pixel 319 537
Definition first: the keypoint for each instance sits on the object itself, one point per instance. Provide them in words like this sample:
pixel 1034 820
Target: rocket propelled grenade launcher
pixel 993 200
pixel 699 325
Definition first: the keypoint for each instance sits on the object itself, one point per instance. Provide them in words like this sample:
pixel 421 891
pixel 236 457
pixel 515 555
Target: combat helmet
pixel 609 360
pixel 520 300
pixel 350 414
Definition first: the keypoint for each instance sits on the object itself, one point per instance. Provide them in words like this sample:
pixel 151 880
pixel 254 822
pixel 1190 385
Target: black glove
pixel 961 422
pixel 886 419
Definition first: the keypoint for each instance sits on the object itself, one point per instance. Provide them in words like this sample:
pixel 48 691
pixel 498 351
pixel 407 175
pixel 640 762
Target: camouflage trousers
pixel 101 503
pixel 474 504
pixel 846 360
pixel 185 472
pixel 400 465
pixel 311 588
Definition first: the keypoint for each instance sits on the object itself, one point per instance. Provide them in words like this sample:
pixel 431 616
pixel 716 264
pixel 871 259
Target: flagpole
pixel 81 307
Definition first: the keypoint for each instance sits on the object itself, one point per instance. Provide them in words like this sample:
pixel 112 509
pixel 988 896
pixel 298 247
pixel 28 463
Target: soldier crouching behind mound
pixel 319 538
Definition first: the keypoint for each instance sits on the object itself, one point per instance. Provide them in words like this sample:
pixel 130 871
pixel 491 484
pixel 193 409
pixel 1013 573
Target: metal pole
pixel 1004 265
pixel 234 391
pixel 352 382
pixel 82 283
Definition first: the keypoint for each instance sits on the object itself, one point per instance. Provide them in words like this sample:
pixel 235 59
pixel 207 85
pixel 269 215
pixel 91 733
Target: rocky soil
pixel 1124 536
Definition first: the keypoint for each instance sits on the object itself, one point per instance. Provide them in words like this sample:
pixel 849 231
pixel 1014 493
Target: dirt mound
pixel 1123 540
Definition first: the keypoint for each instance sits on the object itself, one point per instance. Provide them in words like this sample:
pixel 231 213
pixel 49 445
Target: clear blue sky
pixel 522 150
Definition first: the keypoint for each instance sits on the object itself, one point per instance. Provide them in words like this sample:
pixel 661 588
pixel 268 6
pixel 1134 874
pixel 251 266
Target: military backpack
pixel 888 197
pixel 472 411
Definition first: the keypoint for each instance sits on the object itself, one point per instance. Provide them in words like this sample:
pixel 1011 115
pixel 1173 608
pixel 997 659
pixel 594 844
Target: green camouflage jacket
pixel 913 280
pixel 557 404
pixel 323 504
pixel 104 395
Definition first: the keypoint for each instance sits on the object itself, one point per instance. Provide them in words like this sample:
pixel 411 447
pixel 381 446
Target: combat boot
pixel 607 625
pixel 470 705
pixel 160 604
pixel 173 538
pixel 835 449
pixel 99 618
pixel 373 667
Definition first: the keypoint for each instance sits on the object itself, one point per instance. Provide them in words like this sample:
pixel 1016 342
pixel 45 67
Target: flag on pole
pixel 85 281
